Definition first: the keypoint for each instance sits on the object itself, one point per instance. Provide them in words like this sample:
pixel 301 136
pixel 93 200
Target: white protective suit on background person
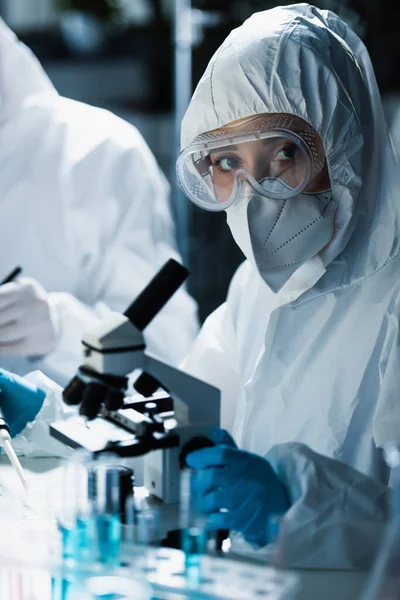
pixel 317 363
pixel 85 211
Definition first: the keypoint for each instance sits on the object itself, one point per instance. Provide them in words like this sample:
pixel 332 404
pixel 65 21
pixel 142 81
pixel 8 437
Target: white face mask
pixel 280 236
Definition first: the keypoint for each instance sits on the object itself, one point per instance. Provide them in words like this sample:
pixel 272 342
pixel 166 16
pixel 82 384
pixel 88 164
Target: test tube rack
pixel 221 578
pixel 164 568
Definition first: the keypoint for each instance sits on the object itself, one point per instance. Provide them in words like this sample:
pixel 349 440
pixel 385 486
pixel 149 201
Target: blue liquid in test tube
pixel 109 538
pixel 194 534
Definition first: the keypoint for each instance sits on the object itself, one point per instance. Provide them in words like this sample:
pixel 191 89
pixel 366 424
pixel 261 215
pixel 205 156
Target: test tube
pixel 74 511
pixel 105 496
pixel 75 523
pixel 193 525
pixel 143 532
pixel 273 528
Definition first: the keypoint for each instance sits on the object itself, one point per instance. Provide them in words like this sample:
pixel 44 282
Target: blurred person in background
pixel 85 211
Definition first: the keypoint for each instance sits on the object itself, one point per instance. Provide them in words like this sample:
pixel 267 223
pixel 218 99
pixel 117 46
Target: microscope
pixel 171 414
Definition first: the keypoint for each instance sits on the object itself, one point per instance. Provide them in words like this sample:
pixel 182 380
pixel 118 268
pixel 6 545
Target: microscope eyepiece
pixel 160 289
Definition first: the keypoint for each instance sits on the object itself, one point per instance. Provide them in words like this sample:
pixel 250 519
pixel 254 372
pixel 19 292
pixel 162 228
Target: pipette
pixel 5 442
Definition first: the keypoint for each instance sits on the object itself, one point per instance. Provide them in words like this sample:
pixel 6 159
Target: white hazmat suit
pixel 84 210
pixel 319 362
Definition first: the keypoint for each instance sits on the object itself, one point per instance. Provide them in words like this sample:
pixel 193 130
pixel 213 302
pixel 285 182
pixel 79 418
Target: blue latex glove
pixel 20 401
pixel 239 489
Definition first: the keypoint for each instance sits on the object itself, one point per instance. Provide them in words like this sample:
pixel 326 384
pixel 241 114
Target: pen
pixel 11 276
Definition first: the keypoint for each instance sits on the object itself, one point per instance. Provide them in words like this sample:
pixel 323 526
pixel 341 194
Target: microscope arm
pixel 194 400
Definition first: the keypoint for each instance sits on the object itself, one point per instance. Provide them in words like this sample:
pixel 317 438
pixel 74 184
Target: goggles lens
pixel 278 164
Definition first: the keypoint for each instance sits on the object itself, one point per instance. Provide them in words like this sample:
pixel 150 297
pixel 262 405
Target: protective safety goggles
pixel 276 161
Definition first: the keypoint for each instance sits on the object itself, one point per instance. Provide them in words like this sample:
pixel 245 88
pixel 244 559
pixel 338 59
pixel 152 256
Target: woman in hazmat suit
pixel 286 133
pixel 85 211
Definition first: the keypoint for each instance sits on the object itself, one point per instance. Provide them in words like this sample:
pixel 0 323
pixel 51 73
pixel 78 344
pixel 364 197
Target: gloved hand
pixel 239 489
pixel 26 326
pixel 20 401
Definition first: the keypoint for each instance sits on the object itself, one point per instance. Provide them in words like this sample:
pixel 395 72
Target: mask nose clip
pixel 241 175
pixel 244 188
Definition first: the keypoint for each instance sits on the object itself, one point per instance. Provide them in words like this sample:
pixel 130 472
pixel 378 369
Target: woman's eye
pixel 286 153
pixel 227 163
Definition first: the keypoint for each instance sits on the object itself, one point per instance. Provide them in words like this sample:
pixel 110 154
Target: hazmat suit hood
pixel 307 62
pixel 21 75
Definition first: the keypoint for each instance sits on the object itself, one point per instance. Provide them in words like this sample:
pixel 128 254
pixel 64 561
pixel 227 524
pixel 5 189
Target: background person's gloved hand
pixel 26 324
pixel 240 490
pixel 20 401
